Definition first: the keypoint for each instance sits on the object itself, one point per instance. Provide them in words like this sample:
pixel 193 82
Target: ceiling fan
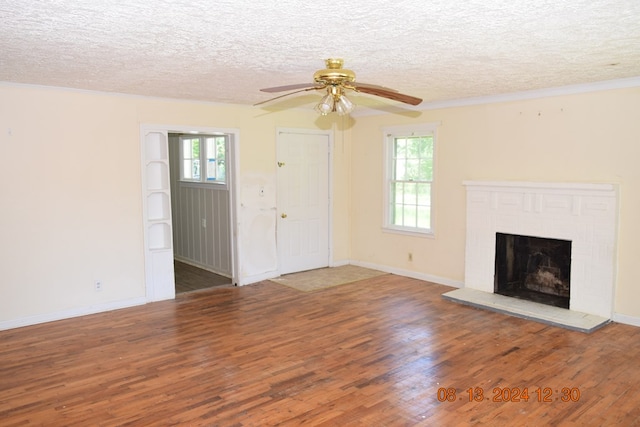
pixel 337 80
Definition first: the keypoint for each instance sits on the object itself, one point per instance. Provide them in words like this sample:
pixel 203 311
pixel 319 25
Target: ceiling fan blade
pixel 367 85
pixel 287 94
pixel 287 87
pixel 387 93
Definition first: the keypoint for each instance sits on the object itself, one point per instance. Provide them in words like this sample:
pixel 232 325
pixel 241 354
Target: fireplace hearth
pixel 533 268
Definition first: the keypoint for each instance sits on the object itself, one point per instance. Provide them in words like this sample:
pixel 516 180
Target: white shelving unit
pixel 157 207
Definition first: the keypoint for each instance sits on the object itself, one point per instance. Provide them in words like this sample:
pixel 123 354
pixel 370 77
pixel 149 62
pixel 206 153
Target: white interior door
pixel 302 200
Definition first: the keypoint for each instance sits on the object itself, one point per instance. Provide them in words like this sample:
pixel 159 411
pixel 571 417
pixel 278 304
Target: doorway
pixel 303 200
pixel 200 207
pixel 159 207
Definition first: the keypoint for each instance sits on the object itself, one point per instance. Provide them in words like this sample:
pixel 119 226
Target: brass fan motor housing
pixel 334 74
pixel 336 80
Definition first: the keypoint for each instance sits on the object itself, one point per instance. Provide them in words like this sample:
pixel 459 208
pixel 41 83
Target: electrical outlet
pixel 204 223
pixel 410 256
pixel 97 285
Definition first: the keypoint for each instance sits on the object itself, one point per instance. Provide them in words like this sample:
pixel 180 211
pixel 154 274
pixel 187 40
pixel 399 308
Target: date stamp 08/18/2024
pixel 509 394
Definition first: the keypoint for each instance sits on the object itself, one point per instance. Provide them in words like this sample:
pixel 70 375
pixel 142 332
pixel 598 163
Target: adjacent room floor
pixel 190 278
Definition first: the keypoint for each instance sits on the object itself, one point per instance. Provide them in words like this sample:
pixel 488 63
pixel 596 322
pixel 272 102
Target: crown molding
pixel 535 94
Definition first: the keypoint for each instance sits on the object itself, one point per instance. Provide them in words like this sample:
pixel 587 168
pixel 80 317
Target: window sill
pixel 211 184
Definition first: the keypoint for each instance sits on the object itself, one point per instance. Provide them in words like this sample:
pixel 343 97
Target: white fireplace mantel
pixel 584 213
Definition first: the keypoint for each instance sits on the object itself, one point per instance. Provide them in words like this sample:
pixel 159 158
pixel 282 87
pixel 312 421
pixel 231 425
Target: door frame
pixel 329 134
pixel 232 176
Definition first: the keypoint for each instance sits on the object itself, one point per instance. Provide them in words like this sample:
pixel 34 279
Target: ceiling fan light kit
pixel 344 106
pixel 336 80
pixel 326 105
pixel 334 101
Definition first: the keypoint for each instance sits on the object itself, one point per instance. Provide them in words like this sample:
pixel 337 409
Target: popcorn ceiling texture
pixel 225 51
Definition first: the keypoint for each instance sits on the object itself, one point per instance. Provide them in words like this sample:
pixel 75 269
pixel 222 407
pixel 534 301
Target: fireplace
pixel 584 216
pixel 533 268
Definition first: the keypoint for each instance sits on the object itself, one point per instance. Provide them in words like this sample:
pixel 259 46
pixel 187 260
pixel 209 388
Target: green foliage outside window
pixel 411 181
pixel 204 158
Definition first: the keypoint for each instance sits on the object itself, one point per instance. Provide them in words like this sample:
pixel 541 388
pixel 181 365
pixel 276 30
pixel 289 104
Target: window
pixel 203 158
pixel 409 179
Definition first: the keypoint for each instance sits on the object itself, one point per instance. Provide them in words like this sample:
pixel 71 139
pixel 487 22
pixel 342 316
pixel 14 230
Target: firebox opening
pixel 533 268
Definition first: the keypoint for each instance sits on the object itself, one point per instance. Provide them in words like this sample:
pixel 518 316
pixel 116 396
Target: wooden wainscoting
pixel 385 351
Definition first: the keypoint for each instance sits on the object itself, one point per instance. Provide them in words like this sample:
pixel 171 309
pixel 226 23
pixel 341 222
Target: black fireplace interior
pixel 533 268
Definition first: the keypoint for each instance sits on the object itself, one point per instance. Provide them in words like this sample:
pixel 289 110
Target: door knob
pixel 283 215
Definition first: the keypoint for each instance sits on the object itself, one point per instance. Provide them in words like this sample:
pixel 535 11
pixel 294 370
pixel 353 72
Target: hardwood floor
pixel 189 278
pixel 380 352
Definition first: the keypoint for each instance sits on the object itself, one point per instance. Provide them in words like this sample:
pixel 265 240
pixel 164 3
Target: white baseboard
pixel 83 311
pixel 339 263
pixel 413 274
pixel 67 314
pixel 627 320
pixel 248 280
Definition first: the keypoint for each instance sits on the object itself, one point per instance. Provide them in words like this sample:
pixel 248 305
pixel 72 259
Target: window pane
pixel 221 151
pixel 187 169
pixel 190 162
pixel 410 194
pixel 424 194
pixel 398 194
pixel 211 169
pixel 211 158
pixel 398 169
pixel 211 148
pixel 186 149
pixel 410 213
pixel 195 167
pixel 396 211
pixel 400 148
pixel 424 217
pixel 426 170
pixel 195 148
pixel 412 170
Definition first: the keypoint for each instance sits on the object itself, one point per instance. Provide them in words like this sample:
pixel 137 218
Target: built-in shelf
pixel 158 206
pixel 159 236
pixel 160 284
pixel 155 147
pixel 157 176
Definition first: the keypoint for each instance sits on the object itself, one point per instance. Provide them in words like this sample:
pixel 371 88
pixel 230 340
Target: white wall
pixel 70 183
pixel 70 174
pixel 589 137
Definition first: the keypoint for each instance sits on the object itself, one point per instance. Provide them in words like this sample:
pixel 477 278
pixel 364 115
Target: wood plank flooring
pixel 380 352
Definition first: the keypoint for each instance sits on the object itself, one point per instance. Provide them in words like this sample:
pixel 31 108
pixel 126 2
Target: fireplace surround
pixel 582 213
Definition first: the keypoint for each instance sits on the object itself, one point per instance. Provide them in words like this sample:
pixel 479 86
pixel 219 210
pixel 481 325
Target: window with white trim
pixel 202 158
pixel 409 161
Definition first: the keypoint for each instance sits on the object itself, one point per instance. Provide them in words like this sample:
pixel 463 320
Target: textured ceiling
pixel 225 51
